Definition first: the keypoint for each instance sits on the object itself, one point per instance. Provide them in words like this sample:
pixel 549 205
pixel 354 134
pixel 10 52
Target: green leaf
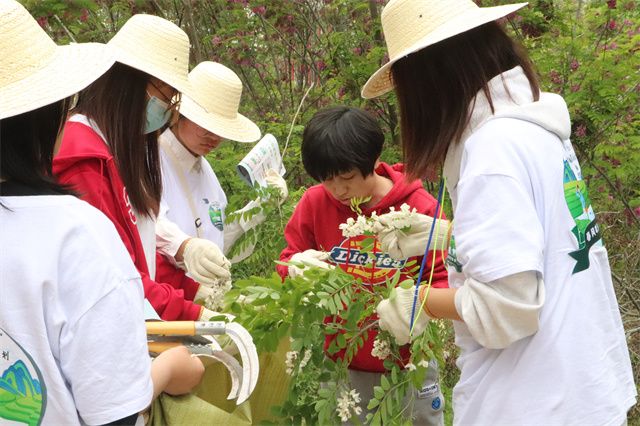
pixel 384 382
pixel 373 403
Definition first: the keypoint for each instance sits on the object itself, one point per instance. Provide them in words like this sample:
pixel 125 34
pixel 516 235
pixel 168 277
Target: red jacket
pixel 85 163
pixel 314 225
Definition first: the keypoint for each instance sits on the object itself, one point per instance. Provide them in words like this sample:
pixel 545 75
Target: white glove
pixel 204 261
pixel 395 315
pixel 203 292
pixel 403 235
pixel 274 180
pixel 309 258
pixel 206 314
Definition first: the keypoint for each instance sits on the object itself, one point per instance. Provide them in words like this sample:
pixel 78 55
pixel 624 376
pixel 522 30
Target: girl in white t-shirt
pixel 536 318
pixel 73 347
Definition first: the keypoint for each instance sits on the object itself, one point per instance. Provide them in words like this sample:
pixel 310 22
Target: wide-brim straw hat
pixel 156 46
pixel 34 71
pixel 214 101
pixel 411 25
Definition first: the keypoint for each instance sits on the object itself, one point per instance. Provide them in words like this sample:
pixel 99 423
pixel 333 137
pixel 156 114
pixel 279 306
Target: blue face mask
pixel 157 115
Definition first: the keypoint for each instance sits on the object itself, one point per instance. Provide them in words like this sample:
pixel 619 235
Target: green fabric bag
pixel 208 404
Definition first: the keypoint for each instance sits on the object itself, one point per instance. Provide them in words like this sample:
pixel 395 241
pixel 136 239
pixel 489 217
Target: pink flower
pixel 555 77
pixel 84 15
pixel 612 24
pixel 216 40
pixel 357 51
pixel 611 4
pixel 259 10
pixel 575 88
pixel 43 21
pixel 574 65
pixel 581 131
pixel 637 211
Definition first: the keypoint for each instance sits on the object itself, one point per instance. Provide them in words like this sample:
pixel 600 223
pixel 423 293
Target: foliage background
pixel 586 51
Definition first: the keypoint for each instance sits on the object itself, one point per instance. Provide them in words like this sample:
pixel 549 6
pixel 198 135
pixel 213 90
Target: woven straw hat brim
pixel 238 128
pixel 72 68
pixel 381 81
pixel 181 84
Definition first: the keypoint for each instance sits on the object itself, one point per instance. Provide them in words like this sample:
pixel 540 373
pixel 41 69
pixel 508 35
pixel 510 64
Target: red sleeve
pixel 168 272
pixel 298 233
pixel 427 205
pixel 94 187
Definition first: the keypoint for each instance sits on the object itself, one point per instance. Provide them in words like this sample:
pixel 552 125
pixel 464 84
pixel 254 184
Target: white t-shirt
pixel 72 338
pixel 192 197
pixel 520 204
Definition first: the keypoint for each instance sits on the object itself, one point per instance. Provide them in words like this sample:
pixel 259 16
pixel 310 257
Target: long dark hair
pixel 436 85
pixel 117 103
pixel 26 147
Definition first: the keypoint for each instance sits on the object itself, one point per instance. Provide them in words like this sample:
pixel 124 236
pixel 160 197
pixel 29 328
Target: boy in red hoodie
pixel 341 148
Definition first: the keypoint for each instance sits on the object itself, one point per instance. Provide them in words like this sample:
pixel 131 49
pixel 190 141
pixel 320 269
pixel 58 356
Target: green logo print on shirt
pixel 215 214
pixel 22 389
pixel 586 231
pixel 452 258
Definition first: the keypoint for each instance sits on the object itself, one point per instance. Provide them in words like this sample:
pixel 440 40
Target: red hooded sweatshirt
pixel 85 163
pixel 314 225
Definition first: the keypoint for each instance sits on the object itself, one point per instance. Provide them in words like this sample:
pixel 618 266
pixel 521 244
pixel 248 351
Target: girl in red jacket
pixel 109 154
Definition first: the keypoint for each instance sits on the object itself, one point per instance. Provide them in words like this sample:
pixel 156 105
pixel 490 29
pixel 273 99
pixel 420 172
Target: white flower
pixel 215 301
pixel 292 357
pixel 381 349
pixel 424 363
pixel 290 361
pixel 445 354
pixel 347 402
pixel 411 366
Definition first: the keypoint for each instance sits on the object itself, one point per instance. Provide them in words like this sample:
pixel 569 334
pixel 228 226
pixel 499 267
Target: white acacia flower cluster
pixel 215 301
pixel 348 402
pixel 362 225
pixel 292 357
pixel 412 367
pixel 381 349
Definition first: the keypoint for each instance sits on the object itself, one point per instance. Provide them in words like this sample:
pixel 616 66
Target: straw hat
pixel 213 104
pixel 156 46
pixel 34 71
pixel 411 25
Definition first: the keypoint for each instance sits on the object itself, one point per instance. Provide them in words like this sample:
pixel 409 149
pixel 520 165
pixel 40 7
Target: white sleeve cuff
pixel 503 311
pixel 169 237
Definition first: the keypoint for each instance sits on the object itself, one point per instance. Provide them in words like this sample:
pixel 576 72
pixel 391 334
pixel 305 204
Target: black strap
pixel 126 421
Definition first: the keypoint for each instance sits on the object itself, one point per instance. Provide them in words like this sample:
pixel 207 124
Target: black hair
pixel 26 147
pixel 435 87
pixel 339 139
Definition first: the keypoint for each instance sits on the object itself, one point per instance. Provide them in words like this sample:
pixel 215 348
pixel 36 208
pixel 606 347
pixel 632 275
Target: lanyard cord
pixel 426 252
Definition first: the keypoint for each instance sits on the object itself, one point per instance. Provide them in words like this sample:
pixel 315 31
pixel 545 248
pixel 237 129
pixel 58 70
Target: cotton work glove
pixel 403 235
pixel 206 314
pixel 274 180
pixel 204 261
pixel 395 316
pixel 309 258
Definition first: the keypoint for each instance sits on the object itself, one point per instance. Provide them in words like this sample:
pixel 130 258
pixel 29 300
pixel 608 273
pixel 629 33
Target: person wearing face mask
pixel 72 337
pixel 109 152
pixel 193 202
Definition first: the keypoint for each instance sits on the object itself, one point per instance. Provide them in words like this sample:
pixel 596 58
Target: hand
pixel 274 180
pixel 403 235
pixel 205 262
pixel 395 316
pixel 309 258
pixel 176 372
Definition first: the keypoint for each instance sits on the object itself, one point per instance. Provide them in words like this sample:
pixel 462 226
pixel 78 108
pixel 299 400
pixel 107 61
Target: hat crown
pixel 421 17
pixel 153 45
pixel 216 88
pixel 24 46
